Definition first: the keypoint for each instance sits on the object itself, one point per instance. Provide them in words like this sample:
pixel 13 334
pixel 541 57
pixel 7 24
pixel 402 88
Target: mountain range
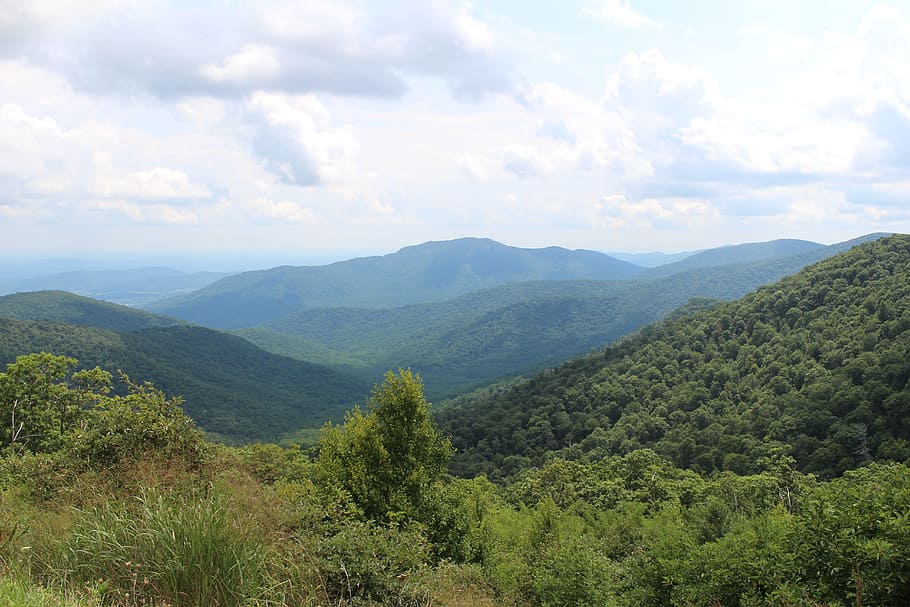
pixel 517 328
pixel 431 272
pixel 301 368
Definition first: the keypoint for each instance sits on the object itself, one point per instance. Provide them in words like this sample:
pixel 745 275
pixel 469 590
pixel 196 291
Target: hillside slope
pixel 742 253
pixel 64 307
pixel 508 330
pixel 433 271
pixel 816 365
pixel 232 388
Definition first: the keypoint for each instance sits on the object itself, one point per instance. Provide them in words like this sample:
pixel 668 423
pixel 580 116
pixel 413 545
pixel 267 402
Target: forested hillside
pixel 232 388
pixel 512 329
pixel 816 365
pixel 433 271
pixel 60 306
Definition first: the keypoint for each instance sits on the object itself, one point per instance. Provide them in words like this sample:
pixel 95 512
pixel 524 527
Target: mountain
pixel 433 271
pixel 504 331
pixel 133 287
pixel 63 307
pixel 816 366
pixel 233 389
pixel 652 260
pixel 743 253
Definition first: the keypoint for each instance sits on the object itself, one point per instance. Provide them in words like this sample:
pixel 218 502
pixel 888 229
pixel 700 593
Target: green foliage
pixel 852 538
pixel 16 592
pixel 365 563
pixel 814 367
pixel 515 328
pixel 37 404
pixel 387 458
pixel 144 421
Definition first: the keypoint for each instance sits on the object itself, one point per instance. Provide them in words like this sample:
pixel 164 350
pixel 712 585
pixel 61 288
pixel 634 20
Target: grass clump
pixel 166 550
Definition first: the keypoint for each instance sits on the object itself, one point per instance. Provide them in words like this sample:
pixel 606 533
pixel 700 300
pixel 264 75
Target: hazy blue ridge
pixel 431 272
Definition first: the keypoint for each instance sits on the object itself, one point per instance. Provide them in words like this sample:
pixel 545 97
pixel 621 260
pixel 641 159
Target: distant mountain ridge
pixel 653 259
pixel 741 253
pixel 433 271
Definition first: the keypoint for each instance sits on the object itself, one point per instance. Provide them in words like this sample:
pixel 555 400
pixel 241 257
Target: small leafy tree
pixel 388 458
pixel 41 400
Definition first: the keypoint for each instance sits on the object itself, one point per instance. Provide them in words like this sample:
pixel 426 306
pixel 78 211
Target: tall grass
pixel 18 592
pixel 166 551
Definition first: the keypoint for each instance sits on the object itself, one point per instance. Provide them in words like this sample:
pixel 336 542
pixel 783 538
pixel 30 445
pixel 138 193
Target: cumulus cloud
pixel 524 161
pixel 157 183
pixel 294 139
pixel 477 167
pixel 34 153
pixel 619 212
pixel 289 47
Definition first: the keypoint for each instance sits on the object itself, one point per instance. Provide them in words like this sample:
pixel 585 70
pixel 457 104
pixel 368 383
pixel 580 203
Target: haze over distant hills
pixel 134 286
pixel 433 271
pixel 653 259
pixel 742 253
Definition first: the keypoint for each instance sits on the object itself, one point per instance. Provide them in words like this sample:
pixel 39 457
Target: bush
pixel 365 563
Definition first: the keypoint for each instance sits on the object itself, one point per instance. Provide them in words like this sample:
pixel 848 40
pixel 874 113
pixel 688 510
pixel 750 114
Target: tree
pixel 38 406
pixel 386 459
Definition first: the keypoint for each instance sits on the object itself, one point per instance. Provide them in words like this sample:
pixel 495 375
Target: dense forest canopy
pixel 815 366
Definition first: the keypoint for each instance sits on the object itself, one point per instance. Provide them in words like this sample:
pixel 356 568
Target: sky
pixel 324 129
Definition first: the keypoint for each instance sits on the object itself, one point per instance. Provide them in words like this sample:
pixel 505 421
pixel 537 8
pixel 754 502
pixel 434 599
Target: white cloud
pixel 476 166
pixel 252 65
pixel 314 22
pixel 621 13
pixel 294 139
pixel 142 213
pixel 618 212
pixel 202 112
pixel 524 161
pixel 34 154
pixel 284 47
pixel 157 183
